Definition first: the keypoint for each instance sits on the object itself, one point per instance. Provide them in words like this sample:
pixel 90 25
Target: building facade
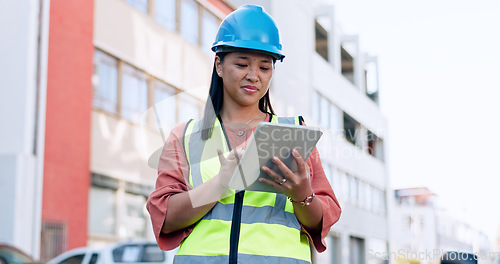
pixel 423 230
pixel 112 77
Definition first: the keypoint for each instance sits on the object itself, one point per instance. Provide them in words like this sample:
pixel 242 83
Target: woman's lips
pixel 250 89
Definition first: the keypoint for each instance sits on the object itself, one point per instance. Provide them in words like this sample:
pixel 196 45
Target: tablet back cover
pixel 269 140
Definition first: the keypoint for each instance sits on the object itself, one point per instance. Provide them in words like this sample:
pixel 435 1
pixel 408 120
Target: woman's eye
pixel 241 65
pixel 264 68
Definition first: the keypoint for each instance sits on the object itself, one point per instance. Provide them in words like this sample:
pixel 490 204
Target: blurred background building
pixel 86 85
pixel 421 226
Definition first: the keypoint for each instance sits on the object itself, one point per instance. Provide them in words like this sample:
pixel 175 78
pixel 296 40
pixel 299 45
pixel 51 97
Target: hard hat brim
pixel 227 48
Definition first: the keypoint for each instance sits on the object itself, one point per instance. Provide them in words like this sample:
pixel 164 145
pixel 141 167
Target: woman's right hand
pixel 186 208
pixel 228 165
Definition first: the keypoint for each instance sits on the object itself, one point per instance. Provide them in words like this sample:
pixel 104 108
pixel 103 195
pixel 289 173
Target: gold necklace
pixel 241 132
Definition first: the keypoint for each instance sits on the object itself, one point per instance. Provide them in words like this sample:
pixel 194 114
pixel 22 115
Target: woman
pixel 192 206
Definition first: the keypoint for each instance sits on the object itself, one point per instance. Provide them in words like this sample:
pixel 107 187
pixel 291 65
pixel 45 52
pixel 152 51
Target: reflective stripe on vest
pixel 270 231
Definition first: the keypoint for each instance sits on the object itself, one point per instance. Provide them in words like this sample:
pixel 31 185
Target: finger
pixel 308 170
pixel 222 159
pixel 235 154
pixel 274 175
pixel 238 153
pixel 301 166
pixel 283 168
pixel 272 183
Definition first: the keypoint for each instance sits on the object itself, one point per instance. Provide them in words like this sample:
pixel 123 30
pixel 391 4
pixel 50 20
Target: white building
pixel 423 230
pixel 150 53
pixel 327 78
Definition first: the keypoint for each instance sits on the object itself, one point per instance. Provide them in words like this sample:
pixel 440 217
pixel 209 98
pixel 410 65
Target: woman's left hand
pixel 297 186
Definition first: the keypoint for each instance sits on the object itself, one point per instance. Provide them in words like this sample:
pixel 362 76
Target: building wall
pixel 67 139
pixel 23 25
pixel 137 39
pixel 424 231
pixel 121 148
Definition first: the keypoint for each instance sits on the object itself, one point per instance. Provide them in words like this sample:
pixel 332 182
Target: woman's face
pixel 246 77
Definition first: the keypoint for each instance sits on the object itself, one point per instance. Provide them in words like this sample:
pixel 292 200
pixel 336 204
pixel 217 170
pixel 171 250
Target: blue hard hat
pixel 249 27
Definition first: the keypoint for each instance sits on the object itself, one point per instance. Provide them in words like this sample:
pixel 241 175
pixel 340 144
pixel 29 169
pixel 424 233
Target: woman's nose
pixel 252 74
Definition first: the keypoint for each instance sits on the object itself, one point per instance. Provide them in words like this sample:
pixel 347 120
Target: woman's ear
pixel 218 66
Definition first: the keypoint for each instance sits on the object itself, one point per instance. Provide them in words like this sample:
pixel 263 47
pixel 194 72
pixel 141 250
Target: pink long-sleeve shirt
pixel 173 178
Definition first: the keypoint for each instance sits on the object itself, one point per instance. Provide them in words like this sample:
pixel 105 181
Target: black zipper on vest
pixel 234 237
pixel 235 228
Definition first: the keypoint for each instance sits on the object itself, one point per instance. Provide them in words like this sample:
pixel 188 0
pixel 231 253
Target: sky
pixel 439 70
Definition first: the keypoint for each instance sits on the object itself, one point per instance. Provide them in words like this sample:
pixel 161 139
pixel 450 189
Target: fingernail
pixel 275 158
pixel 295 153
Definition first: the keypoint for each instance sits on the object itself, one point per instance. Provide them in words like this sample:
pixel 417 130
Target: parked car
pixel 454 257
pixel 140 252
pixel 10 254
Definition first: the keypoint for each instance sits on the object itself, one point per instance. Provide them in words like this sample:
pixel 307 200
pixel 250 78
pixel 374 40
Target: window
pixel 94 258
pixel 351 128
pixel 316 97
pixel 105 82
pixel 375 146
pixel 378 201
pixel 127 253
pixel 76 259
pixel 102 211
pixel 368 198
pixel 344 185
pixel 141 5
pixel 371 80
pixel 322 110
pixel 353 190
pixel 321 40
pixel 134 220
pixel 165 105
pixel 325 112
pixel 189 21
pixel 196 24
pixel 357 248
pixel 152 253
pixel 336 252
pixel 116 208
pixel 347 64
pixel 138 253
pixel 136 91
pixel 189 107
pixel 53 240
pixel 335 180
pixel 335 123
pixel 134 94
pixel 166 13
pixel 209 29
pixel 361 194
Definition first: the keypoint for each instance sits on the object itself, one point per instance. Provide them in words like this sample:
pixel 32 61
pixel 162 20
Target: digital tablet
pixel 269 140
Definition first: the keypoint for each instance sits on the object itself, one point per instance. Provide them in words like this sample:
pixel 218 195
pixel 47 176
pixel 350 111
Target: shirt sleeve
pixel 326 196
pixel 172 175
pixel 324 193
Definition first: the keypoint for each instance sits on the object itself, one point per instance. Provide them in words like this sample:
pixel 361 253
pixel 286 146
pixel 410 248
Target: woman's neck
pixel 242 115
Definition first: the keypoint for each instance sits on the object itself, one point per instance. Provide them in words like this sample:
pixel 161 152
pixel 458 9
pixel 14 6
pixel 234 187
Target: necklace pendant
pixel 240 133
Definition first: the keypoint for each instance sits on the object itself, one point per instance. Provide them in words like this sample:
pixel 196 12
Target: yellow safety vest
pixel 250 226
